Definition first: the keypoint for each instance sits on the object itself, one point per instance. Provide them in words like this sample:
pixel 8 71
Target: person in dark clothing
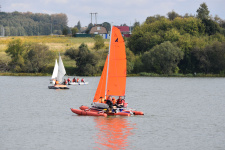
pixel 109 102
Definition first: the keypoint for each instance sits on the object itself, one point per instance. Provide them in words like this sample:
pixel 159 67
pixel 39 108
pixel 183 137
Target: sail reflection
pixel 113 132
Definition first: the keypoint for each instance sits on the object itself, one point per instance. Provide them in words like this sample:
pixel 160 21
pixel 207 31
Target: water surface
pixel 180 113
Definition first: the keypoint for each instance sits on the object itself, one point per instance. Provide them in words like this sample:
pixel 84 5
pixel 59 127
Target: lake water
pixel 180 113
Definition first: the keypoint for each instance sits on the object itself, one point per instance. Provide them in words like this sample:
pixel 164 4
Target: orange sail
pixel 114 69
pixel 100 92
pixel 116 84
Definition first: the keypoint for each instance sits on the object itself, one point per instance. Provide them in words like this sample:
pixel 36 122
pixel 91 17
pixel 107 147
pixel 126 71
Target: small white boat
pixel 58 72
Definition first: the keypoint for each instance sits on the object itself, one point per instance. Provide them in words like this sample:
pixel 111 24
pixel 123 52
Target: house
pixel 125 30
pixel 98 29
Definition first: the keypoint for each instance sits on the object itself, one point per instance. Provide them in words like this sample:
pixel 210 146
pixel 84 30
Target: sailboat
pixel 58 74
pixel 112 81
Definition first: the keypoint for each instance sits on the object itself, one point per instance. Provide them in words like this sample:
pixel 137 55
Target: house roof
pixel 123 28
pixel 98 29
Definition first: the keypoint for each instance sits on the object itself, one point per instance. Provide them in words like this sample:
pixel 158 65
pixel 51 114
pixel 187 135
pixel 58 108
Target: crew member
pixel 109 102
pixel 68 80
pixel 65 82
pixel 56 82
pixel 101 100
pixel 120 102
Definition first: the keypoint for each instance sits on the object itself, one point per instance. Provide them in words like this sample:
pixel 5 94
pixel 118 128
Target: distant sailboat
pixel 112 81
pixel 58 73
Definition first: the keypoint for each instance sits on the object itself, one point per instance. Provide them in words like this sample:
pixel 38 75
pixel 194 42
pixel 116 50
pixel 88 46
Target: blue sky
pixel 112 11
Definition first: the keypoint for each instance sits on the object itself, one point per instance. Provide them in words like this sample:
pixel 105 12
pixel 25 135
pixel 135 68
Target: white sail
pixel 55 71
pixel 61 70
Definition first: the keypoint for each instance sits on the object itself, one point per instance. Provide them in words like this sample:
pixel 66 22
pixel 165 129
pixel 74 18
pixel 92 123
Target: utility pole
pixel 91 18
pixel 95 18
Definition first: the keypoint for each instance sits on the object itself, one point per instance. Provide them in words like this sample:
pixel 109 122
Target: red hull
pixel 138 113
pixel 84 107
pixel 85 110
pixel 87 113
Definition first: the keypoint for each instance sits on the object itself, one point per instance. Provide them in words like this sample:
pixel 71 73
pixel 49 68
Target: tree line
pixel 164 45
pixel 179 44
pixel 28 23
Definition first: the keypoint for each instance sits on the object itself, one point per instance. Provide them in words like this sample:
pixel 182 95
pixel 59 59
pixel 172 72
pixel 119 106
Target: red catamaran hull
pixel 124 113
pixel 87 113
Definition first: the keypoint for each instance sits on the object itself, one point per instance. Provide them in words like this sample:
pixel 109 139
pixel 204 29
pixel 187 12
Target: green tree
pixel 136 24
pixel 107 26
pixel 99 42
pixel 172 15
pixel 89 28
pixel 211 59
pixel 203 12
pixel 74 31
pixel 38 58
pixel 163 58
pixel 16 51
pixel 86 61
pixel 130 60
pixel 78 25
pixel 65 31
pixel 211 27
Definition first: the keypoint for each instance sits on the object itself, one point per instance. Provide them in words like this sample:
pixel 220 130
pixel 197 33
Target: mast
pixel 108 61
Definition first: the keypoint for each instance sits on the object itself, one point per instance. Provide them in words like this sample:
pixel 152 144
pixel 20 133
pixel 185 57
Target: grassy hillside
pixel 55 43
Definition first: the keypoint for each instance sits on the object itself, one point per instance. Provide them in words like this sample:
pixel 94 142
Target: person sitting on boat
pixel 101 100
pixel 109 102
pixel 120 102
pixel 114 101
pixel 56 82
pixel 77 80
pixel 68 80
pixel 65 82
pixel 82 80
pixel 74 79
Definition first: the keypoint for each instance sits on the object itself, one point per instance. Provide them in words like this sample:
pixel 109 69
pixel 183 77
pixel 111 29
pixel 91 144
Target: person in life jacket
pixel 56 82
pixel 65 82
pixel 114 101
pixel 74 80
pixel 77 79
pixel 101 100
pixel 82 80
pixel 120 102
pixel 68 80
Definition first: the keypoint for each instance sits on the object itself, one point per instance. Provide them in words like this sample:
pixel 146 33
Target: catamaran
pixel 112 81
pixel 57 75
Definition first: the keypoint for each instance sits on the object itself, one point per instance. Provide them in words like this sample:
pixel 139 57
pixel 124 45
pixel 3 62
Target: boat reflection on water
pixel 113 132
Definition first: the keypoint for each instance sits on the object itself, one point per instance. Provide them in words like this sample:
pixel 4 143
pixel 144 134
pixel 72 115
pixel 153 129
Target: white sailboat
pixel 61 70
pixel 58 74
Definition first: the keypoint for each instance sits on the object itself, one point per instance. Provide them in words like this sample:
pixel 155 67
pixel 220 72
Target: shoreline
pixel 128 75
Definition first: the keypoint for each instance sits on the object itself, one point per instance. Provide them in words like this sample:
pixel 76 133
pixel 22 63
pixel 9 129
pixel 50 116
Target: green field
pixel 55 43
